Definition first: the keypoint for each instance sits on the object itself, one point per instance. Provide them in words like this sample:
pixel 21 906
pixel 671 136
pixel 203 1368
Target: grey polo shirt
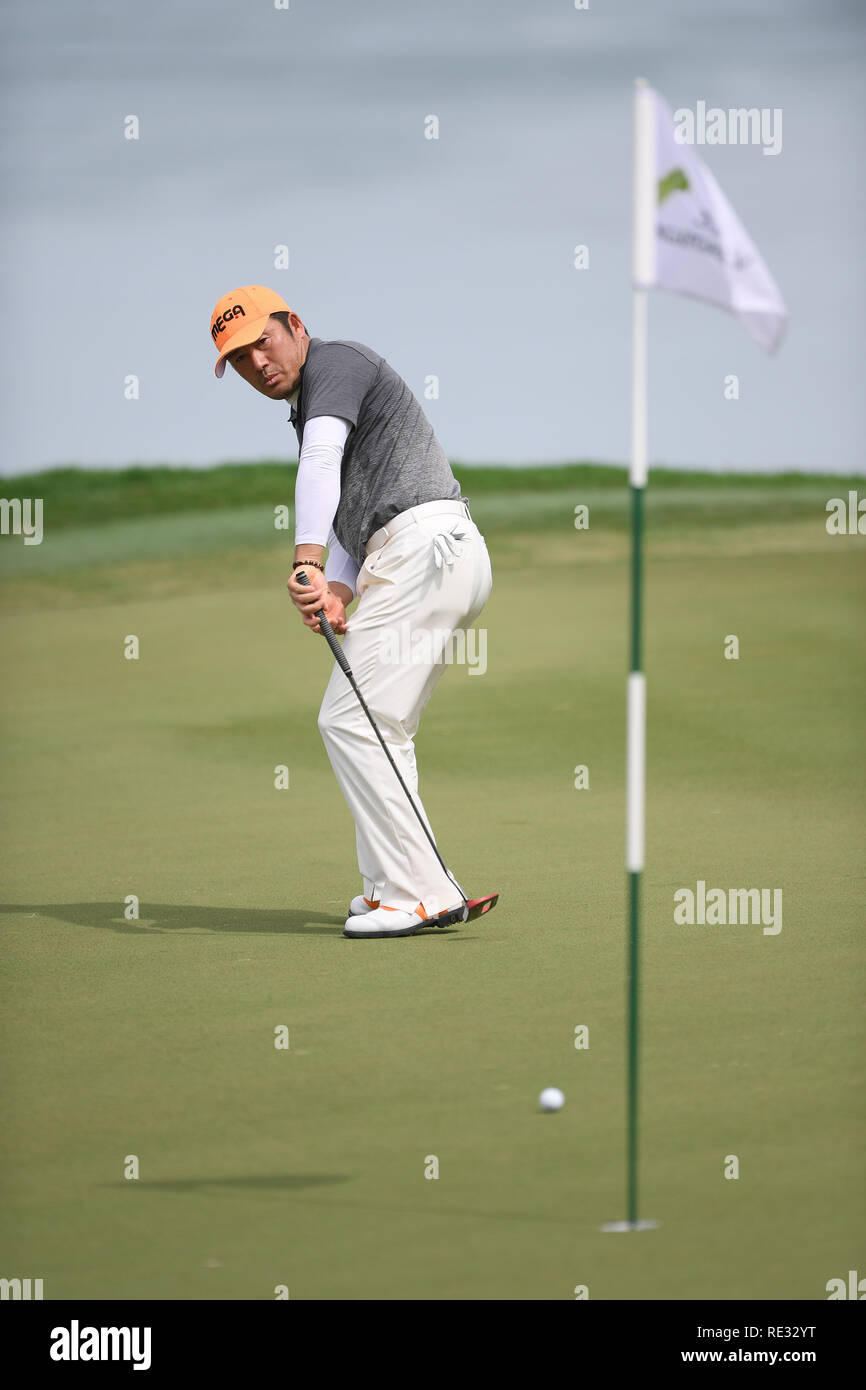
pixel 392 459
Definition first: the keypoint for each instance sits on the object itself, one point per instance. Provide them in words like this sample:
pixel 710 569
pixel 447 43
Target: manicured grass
pixel 74 497
pixel 305 1167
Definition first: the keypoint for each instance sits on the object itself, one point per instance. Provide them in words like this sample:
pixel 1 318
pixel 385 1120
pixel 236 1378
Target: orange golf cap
pixel 240 317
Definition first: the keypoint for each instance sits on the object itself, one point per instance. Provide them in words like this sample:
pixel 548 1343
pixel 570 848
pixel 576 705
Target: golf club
pixel 472 907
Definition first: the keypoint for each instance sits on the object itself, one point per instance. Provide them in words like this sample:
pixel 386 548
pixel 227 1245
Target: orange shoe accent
pixel 419 910
pixel 371 903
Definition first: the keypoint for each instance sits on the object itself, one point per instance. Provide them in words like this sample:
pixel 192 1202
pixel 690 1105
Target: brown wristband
pixel 318 565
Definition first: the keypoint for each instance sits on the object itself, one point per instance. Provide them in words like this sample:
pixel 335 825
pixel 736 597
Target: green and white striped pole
pixel 643 276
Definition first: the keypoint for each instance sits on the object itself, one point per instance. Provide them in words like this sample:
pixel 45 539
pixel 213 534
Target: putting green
pixel 305 1166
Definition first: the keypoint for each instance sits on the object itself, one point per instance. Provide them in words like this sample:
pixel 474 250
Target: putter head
pixel 478 906
pixel 475 907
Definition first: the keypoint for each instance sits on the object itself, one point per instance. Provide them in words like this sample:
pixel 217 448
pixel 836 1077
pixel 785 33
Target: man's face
pixel 273 363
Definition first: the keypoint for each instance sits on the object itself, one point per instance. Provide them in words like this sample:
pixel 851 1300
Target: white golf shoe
pixel 385 921
pixel 358 906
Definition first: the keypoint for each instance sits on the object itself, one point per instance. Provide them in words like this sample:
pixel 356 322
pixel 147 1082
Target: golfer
pixel 375 488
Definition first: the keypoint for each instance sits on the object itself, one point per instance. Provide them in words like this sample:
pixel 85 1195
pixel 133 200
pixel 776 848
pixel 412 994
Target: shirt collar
pixel 293 398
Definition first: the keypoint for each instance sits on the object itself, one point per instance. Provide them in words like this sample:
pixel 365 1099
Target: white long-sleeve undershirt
pixel 317 494
pixel 340 568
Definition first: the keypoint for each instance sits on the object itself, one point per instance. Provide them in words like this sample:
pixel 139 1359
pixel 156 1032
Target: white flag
pixel 701 246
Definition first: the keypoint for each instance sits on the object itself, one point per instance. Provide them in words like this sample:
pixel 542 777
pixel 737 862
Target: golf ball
pixel 551 1098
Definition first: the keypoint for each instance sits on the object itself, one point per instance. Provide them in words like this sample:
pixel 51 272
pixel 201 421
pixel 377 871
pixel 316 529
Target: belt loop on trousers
pixel 397 523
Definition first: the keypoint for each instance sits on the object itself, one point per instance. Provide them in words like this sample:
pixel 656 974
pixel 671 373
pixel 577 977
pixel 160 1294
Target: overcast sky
pixel 305 127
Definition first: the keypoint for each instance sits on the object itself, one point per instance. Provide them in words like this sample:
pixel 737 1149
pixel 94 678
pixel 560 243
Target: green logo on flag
pixel 672 181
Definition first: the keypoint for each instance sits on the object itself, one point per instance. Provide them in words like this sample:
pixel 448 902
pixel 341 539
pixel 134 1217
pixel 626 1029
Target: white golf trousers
pixel 398 643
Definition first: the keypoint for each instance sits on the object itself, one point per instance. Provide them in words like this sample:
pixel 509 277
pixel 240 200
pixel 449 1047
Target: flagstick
pixel 635 737
pixel 643 275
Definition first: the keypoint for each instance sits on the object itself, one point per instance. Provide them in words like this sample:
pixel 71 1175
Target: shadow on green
pixel 168 917
pixel 282 1183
